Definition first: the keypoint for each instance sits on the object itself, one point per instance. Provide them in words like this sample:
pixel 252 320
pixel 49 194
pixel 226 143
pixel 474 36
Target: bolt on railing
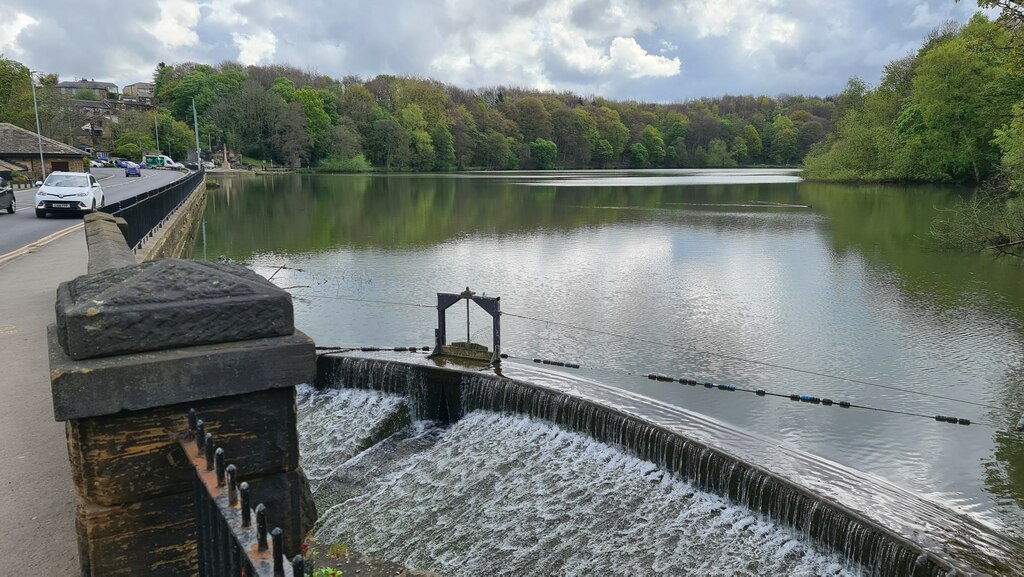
pixel 227 543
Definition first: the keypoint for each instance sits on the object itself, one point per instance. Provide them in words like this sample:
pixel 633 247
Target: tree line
pixel 299 118
pixel 296 118
pixel 953 111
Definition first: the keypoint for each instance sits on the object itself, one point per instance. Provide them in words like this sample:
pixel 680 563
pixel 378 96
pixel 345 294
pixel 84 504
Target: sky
pixel 648 50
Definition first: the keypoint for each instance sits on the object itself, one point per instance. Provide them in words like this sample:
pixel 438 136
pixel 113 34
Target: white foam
pixel 334 426
pixel 508 495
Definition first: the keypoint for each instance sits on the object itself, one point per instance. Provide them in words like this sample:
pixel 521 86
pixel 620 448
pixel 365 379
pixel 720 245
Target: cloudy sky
pixel 653 50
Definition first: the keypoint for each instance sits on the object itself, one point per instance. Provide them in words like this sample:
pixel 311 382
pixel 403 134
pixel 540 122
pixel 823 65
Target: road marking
pixel 34 246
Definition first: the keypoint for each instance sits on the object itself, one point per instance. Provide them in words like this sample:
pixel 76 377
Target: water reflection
pixel 837 279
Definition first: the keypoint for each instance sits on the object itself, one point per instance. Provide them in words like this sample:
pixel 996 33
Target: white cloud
pixel 630 58
pixel 255 48
pixel 226 12
pixel 9 40
pixel 175 26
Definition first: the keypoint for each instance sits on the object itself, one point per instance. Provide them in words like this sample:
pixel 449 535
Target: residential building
pixel 139 92
pixel 102 90
pixel 19 151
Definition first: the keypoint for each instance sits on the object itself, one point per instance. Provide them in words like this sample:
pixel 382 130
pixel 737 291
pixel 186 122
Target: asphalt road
pixel 23 228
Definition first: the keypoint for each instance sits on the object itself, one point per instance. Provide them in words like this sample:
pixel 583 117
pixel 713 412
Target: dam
pixel 528 470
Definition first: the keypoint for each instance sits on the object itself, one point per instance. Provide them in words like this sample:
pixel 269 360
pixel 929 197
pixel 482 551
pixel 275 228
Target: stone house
pixel 102 90
pixel 139 92
pixel 19 150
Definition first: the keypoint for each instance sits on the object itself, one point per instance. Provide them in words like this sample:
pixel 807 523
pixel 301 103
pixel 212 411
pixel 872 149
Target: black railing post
pixel 192 423
pixel 298 566
pixel 246 512
pixel 278 539
pixel 232 485
pixel 208 451
pixel 261 527
pixel 200 436
pixel 219 458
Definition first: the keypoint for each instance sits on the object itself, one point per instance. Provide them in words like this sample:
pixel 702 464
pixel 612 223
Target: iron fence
pixel 228 542
pixel 145 212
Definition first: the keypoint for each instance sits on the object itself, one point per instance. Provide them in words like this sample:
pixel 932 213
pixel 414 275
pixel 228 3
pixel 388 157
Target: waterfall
pixel 828 512
pixel 336 425
pixel 511 495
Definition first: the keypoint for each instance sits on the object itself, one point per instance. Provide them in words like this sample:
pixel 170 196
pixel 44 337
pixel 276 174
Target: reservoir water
pixel 731 277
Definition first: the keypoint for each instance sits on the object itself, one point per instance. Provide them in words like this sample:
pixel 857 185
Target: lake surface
pixel 687 273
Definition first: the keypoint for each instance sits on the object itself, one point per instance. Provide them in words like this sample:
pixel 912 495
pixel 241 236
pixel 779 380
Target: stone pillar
pixel 132 350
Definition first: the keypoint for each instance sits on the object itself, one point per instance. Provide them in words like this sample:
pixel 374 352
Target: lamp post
pixel 39 130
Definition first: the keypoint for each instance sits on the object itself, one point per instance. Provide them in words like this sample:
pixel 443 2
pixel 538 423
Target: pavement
pixel 37 503
pixel 38 500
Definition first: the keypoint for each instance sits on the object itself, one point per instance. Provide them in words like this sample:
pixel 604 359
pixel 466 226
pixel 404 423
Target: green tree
pixel 444 147
pixel 639 155
pixel 654 143
pixel 719 156
pixel 753 140
pixel 318 123
pixel 544 153
pixel 784 141
pixel 610 129
pixel 388 144
pixel 284 88
pixel 603 153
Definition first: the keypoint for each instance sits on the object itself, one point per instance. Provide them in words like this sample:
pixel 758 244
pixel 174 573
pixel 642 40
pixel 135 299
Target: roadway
pixel 21 229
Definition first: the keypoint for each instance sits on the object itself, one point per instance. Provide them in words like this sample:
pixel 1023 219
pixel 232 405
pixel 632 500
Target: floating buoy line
pixel 800 398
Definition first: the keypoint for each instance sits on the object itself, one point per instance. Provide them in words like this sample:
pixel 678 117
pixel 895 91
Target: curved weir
pixel 865 520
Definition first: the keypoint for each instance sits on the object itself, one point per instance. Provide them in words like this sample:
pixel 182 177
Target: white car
pixel 96 164
pixel 65 192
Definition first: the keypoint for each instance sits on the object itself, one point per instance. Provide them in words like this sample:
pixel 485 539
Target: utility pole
pixel 195 126
pixel 39 130
pixel 156 125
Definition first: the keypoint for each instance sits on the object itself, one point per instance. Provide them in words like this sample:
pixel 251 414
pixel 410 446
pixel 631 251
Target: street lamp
pixel 39 130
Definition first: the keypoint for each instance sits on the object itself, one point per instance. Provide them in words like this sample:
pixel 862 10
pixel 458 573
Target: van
pixel 159 161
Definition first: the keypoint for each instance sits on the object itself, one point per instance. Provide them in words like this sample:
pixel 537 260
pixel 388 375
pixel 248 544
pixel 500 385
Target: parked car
pixel 96 164
pixel 192 165
pixel 119 162
pixel 64 192
pixel 7 201
pixel 132 169
pixel 208 165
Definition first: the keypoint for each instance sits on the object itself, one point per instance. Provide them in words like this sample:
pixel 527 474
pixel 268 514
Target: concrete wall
pixel 177 238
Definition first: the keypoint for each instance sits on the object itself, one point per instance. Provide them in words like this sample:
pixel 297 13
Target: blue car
pixel 132 169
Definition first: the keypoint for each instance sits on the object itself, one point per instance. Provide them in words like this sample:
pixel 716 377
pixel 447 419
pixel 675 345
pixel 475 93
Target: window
pixel 67 181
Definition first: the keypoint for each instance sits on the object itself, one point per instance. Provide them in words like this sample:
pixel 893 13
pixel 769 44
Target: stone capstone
pixel 166 304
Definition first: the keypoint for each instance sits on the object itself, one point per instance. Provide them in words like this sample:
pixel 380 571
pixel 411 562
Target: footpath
pixel 37 502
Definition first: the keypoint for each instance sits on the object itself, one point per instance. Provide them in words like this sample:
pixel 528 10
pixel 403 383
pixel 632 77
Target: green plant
pixel 327 572
pixel 337 551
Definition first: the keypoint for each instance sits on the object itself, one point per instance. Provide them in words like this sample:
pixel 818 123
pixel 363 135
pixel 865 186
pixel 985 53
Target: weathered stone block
pixel 104 236
pixel 108 385
pixel 168 303
pixel 121 458
pixel 155 538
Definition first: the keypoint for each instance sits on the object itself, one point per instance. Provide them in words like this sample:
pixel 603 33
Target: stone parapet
pixel 135 346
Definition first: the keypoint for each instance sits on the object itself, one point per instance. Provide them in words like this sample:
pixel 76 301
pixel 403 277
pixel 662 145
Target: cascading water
pixel 509 495
pixel 590 480
pixel 338 424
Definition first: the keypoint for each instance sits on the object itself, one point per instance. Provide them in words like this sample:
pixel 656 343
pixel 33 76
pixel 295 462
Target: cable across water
pixel 757 362
pixel 725 356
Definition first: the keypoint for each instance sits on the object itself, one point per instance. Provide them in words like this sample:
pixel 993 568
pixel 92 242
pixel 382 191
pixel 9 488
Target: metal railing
pixel 145 212
pixel 228 544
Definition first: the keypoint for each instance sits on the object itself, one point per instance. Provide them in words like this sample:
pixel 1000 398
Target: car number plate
pixel 61 205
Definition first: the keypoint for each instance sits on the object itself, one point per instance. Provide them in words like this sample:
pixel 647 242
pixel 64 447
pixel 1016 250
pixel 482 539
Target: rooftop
pixel 90 84
pixel 18 141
